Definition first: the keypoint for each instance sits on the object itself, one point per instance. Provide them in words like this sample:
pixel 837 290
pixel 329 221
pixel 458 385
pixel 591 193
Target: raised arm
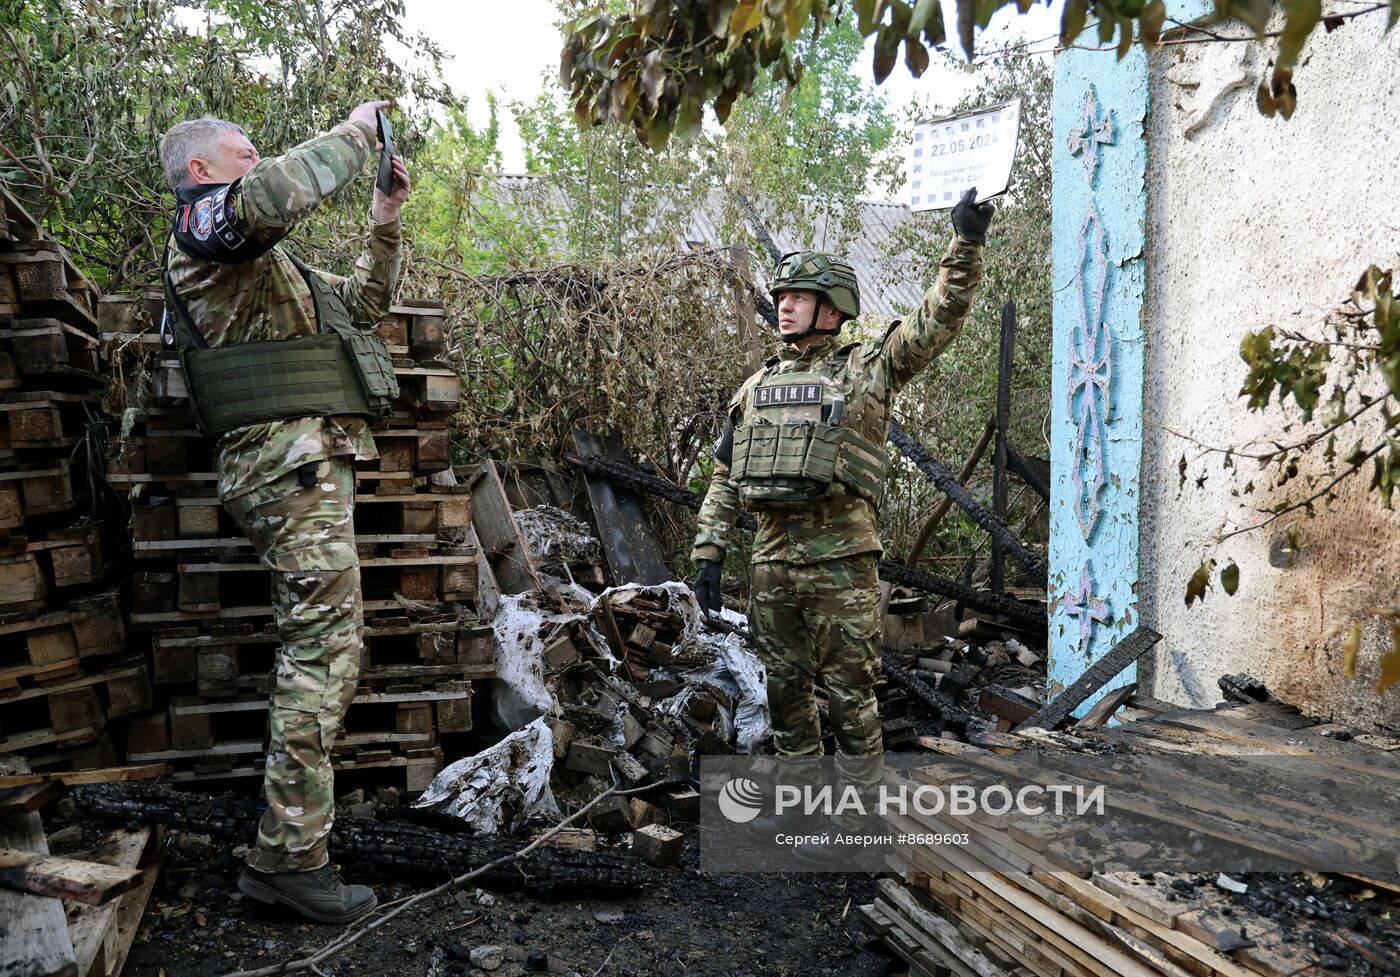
pixel 914 343
pixel 368 292
pixel 280 191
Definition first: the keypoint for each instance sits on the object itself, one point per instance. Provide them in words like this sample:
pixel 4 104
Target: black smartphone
pixel 385 180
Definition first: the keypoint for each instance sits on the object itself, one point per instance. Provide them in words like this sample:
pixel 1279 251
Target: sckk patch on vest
pixel 787 393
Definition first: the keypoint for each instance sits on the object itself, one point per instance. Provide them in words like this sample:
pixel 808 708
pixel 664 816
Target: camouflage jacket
pixel 872 372
pixel 240 286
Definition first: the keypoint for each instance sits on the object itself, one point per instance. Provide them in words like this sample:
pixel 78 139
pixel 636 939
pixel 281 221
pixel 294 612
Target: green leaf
pixel 1125 37
pixel 1199 582
pixel 1301 17
pixel 867 15
pixel 690 113
pixel 1254 13
pixel 915 56
pixel 1394 14
pixel 928 11
pixel 1390 662
pixel 795 17
pixel 1230 579
pixel 886 52
pixel 1349 649
pixel 746 16
pixel 1296 542
pixel 1150 22
pixel 1072 21
pixel 967 18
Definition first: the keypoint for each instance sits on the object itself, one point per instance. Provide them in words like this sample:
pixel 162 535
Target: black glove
pixel 970 219
pixel 707 585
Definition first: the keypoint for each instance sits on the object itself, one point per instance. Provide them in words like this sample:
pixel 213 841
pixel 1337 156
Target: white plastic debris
pixel 1230 885
pixel 523 630
pixel 751 721
pixel 500 786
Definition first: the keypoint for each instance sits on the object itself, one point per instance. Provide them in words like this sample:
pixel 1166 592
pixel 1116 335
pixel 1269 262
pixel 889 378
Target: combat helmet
pixel 829 275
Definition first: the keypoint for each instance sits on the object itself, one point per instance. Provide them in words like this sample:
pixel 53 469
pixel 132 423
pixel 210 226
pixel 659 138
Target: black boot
pixel 318 894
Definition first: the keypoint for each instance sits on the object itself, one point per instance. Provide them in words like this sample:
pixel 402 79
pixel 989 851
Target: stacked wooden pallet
pixel 1022 895
pixel 201 599
pixel 62 675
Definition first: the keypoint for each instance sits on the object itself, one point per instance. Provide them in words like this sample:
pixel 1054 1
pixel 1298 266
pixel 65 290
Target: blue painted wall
pixel 1099 212
pixel 1094 568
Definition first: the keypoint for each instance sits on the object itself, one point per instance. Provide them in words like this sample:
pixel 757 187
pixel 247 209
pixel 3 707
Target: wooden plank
pixel 500 538
pixel 21 799
pixel 1104 709
pixel 1339 753
pixel 64 878
pixel 160 545
pixel 1099 674
pixel 938 928
pixel 34 941
pixel 99 678
pixel 93 929
pixel 129 912
pixel 101 775
pixel 628 542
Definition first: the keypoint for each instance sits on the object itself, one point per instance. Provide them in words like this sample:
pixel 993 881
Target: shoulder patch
pixel 203 223
pixel 213 226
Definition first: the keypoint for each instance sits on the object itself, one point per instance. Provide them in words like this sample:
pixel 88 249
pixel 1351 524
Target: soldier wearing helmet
pixel 804 450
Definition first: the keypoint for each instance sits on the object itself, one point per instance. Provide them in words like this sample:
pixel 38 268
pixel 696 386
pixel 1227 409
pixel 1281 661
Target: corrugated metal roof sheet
pixel 891 282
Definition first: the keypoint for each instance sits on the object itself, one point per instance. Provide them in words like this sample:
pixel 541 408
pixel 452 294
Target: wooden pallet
pixel 102 936
pixel 95 622
pixel 1024 887
pixel 39 280
pixel 48 349
pixel 236 656
pixel 421 576
pixel 66 557
pixel 125 688
pixel 418 767
pixel 196 725
pixel 34 489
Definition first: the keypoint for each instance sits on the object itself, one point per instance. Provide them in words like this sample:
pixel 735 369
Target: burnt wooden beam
pixel 1099 674
pixel 937 473
pixel 1023 470
pixel 939 703
pixel 1007 703
pixel 1003 412
pixel 944 504
pixel 415 843
pixel 629 545
pixel 64 878
pixel 1021 611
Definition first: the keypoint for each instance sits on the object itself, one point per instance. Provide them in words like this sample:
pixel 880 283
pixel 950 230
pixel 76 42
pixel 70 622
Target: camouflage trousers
pixel 819 622
pixel 306 537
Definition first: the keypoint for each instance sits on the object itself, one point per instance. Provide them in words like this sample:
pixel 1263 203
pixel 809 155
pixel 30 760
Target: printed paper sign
pixel 950 155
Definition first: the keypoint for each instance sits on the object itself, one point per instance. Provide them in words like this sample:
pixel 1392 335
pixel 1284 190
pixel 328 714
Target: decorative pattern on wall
pixel 1090 359
pixel 1080 603
pixel 1099 243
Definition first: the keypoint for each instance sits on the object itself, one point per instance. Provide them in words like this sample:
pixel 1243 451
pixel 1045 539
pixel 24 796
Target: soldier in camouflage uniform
pixel 803 448
pixel 289 484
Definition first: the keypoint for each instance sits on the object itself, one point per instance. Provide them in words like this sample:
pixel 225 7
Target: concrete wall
pixel 1252 221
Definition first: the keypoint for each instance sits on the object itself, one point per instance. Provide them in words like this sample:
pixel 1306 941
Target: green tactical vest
pixel 795 445
pixel 339 370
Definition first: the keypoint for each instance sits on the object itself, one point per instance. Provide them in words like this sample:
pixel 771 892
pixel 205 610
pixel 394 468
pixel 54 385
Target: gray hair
pixel 195 139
